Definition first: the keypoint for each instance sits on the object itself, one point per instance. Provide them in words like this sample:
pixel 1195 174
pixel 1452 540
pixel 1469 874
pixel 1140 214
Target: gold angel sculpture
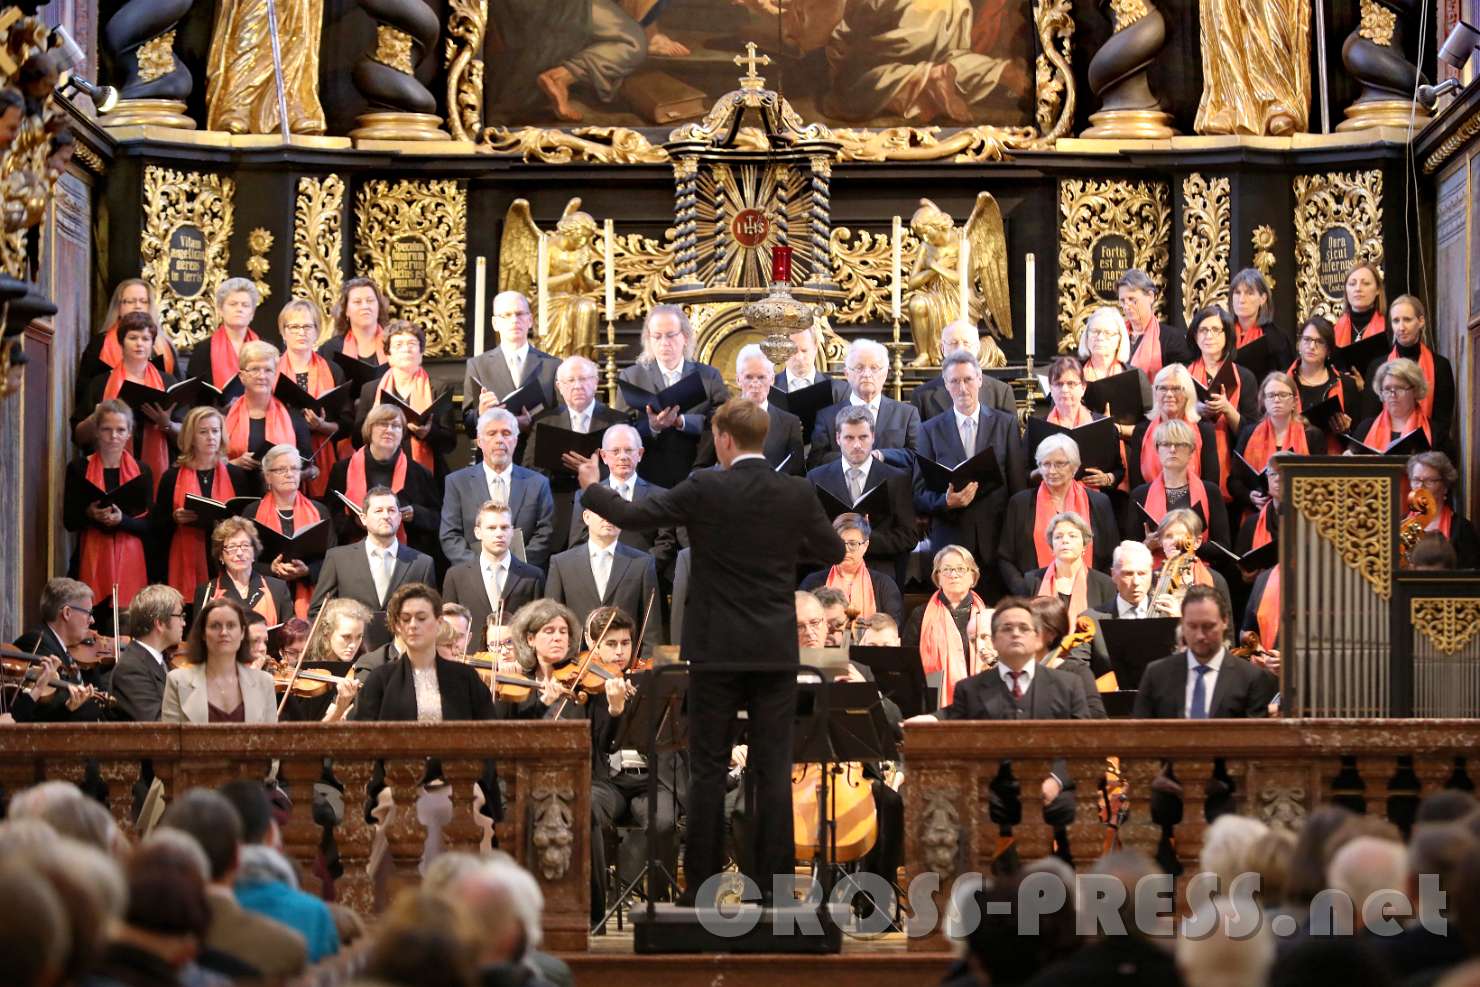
pixel 571 284
pixel 933 286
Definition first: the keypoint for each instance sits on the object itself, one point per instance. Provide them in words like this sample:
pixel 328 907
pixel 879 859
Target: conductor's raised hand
pixel 588 470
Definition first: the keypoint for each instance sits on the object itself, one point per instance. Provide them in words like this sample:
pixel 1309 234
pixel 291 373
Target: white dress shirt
pixel 495 576
pixel 626 489
pixel 1127 610
pixel 601 565
pixel 382 567
pixel 516 358
pixel 157 656
pixel 1025 677
pixel 1210 681
pixel 507 476
pixel 872 406
pixel 580 421
pixel 976 439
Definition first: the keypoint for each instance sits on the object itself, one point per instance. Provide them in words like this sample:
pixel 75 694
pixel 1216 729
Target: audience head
pixel 1438 850
pixel 220 628
pixel 63 807
pixel 249 798
pixel 489 901
pixel 1308 863
pixel 811 621
pixel 167 898
pixel 621 451
pixel 1270 857
pixel 1329 962
pixel 425 940
pixel 212 821
pixel 1228 843
pixel 35 937
pixel 996 952
pixel 1447 805
pixel 1130 867
pixel 1365 866
pixel 1231 948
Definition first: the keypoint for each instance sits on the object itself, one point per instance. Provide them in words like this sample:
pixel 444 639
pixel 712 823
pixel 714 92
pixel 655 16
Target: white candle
pixel 542 293
pixel 963 254
pixel 609 255
pixel 897 254
pixel 480 287
pixel 1032 266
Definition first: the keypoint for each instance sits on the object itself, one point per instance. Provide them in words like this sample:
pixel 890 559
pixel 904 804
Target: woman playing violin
pixel 338 636
pixel 544 634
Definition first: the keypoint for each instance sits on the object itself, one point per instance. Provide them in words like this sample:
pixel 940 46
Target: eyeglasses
pixel 665 337
pixel 1279 396
pixel 1068 382
pixel 299 327
pixel 811 625
pixel 1103 333
pixel 868 371
pixel 1209 330
pixel 1393 390
pixel 852 545
pixel 1055 464
pixel 284 471
pixel 257 371
pixel 954 570
pixel 237 547
pixel 77 609
pixel 1312 340
pixel 1167 389
pixel 1174 445
pixel 177 616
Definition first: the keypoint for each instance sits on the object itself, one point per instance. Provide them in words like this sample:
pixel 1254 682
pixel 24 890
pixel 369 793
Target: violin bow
pixel 298 665
pixel 585 663
pixel 642 631
pixel 117 630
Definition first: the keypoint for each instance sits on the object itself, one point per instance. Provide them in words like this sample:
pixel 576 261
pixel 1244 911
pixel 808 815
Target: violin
pixel 1083 633
pixel 309 683
pixel 1249 646
pixel 506 686
pixel 20 669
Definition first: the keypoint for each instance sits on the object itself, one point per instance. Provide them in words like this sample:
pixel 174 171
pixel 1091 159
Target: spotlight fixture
pixel 1428 96
pixel 1463 39
pixel 104 98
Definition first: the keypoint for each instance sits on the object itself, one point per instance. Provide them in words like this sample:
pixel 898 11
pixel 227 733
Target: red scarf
pixel 189 546
pixel 1426 364
pixel 419 399
pixel 1147 354
pixel 941 647
pixel 1247 335
pixel 1343 328
pixel 1081 417
pixel 1263 443
pixel 1156 501
pixel 1076 500
pixel 320 379
pixel 859 587
pixel 1380 435
pixel 226 358
pixel 1444 523
pixel 1262 536
pixel 1333 444
pixel 279 428
pixel 264 604
pixel 1220 430
pixel 1151 466
pixel 355 484
pixel 304 514
pixel 112 556
pixel 352 347
pixel 156 448
pixel 1078 596
pixel 1268 613
pixel 111 353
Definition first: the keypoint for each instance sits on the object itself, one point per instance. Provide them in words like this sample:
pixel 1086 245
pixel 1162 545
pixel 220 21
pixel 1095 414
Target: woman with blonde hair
pixel 1174 399
pixel 287 510
pixel 298 326
pixel 103 350
pixel 257 419
pixel 1363 305
pixel 1402 387
pixel 201 470
pixel 944 627
pixel 1177 486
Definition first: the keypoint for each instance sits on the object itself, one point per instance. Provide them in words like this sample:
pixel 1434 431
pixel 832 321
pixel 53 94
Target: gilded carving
pixel 1206 240
pixel 1134 217
pixel 1448 623
pixel 1256 67
pixel 1282 806
pixel 1263 241
pixel 412 238
pixel 393 48
pixel 1354 515
pixel 177 204
pixel 157 57
pixel 1127 12
pixel 1454 142
pixel 88 158
pixel 598 145
pixel 241 88
pixel 467 21
pixel 552 836
pixel 1378 23
pixel 259 242
pixel 1053 75
pixel 644 272
pixel 940 833
pixel 862 268
pixel 318 241
pixel 1351 201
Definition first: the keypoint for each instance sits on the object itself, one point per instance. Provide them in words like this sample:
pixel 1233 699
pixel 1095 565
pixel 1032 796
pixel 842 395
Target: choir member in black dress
pixel 217 358
pixel 257 420
pixel 1402 386
pixel 383 462
pixel 1316 379
pixel 1249 297
pixel 201 470
pixel 1174 399
pixel 1227 408
pixel 286 509
pixel 1024 542
pixel 407 380
pixel 298 325
pixel 1153 345
pixel 1409 321
pixel 1279 429
pixel 359 315
pixel 110 551
pixel 1364 304
pixel 102 352
pixel 1176 486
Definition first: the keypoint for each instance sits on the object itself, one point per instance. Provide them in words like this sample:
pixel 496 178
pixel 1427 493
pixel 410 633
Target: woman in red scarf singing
pixel 1231 399
pixel 1253 315
pixel 110 551
pixel 135 334
pixel 216 358
pixel 1175 400
pixel 1023 544
pixel 1278 429
pixel 200 470
pixel 382 462
pixel 358 317
pixel 1105 350
pixel 1176 486
pixel 944 627
pixel 1401 385
pixel 104 350
pixel 1068 575
pixel 1153 345
pixel 257 420
pixel 235 547
pixel 1434 472
pixel 298 325
pixel 1363 308
pixel 1409 320
pixel 286 510
pixel 868 590
pixel 1317 379
pixel 408 382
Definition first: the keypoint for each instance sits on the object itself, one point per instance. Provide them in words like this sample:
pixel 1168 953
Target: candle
pixel 480 288
pixel 963 254
pixel 896 236
pixel 780 265
pixel 541 272
pixel 1032 265
pixel 611 272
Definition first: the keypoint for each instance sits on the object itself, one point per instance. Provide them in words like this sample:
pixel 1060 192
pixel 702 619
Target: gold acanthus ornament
pixel 318 243
pixel 1206 241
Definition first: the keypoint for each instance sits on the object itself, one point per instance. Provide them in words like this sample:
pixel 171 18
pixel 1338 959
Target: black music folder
pixel 1415 441
pixel 414 417
pixel 309 542
pixel 1251 478
pixel 1361 354
pixel 1134 644
pixel 552 442
pixel 897 673
pixel 805 404
pixel 528 397
pixel 1121 393
pixel 1320 415
pixel 1098 442
pixel 209 513
pixel 874 504
pixel 360 372
pixel 981 468
pixel 187 393
pixel 1263 557
pixel 1225 380
pixel 131 498
pixel 686 395
pixel 326 405
pixel 1255 356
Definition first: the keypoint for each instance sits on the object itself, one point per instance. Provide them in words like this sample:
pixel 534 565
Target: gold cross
pixel 749 61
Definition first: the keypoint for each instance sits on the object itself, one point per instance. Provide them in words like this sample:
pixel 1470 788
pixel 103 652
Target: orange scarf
pixel 112 556
pixel 1147 354
pixel 352 347
pixel 420 399
pixel 111 353
pixel 225 358
pixel 1076 500
pixel 320 379
pixel 1444 522
pixel 1078 596
pixel 1220 431
pixel 1151 466
pixel 1426 364
pixel 188 548
pixel 1247 335
pixel 1156 501
pixel 1082 417
pixel 1380 435
pixel 1343 328
pixel 1262 536
pixel 941 647
pixel 304 514
pixel 279 428
pixel 1263 443
pixel 355 484
pixel 264 603
pixel 156 448
pixel 1268 613
pixel 859 588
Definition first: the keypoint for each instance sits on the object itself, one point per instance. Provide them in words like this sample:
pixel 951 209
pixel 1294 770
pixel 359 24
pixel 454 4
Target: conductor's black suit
pixel 749 527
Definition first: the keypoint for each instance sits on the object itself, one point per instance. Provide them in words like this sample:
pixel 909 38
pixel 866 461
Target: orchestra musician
pixel 835 614
pixel 512 364
pixel 1435 472
pixel 866 590
pixel 63 692
pixel 257 420
pixel 931 398
pixel 896 424
pixel 755 374
pixel 217 684
pixel 1175 400
pixel 408 381
pixel 216 359
pixel 337 638
pixel 1153 345
pixel 879 631
pixel 494 582
pixel 1184 527
pixel 157 619
pixel 1065 651
pixel 1204 681
pixel 496 478
pixel 455 633
pixel 359 314
pixel 856 473
pixel 110 552
pixel 383 462
pixel 284 508
pixel 1024 545
pixel 257 634
pixel 235 546
pixel 201 470
pixel 298 326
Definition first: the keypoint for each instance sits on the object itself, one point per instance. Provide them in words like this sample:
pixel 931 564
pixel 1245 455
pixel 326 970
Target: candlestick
pixel 480 289
pixel 611 276
pixel 541 270
pixel 1030 294
pixel 963 254
pixel 896 237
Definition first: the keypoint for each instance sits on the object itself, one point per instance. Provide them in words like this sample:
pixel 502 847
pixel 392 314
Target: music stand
pixel 1134 644
pixel 898 672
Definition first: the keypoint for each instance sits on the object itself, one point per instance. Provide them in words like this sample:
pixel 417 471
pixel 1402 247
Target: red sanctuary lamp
pixel 778 314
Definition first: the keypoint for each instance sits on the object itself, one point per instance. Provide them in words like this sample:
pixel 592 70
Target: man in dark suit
pixel 157 618
pixel 801 368
pixel 497 478
pixel 755 374
pixel 749 527
pixel 496 373
pixel 580 412
pixel 896 424
pixel 930 398
pixel 621 451
pixel 856 474
pixel 603 573
pixel 373 569
pixel 1020 688
pixel 671 438
pixel 66 621
pixel 494 576
pixel 1205 681
pixel 970 517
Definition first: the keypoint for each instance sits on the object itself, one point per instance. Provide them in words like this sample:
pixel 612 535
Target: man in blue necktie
pixel 1204 681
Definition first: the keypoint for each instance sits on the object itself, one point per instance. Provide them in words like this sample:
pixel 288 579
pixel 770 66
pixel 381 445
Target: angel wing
pixel 518 251
pixel 991 288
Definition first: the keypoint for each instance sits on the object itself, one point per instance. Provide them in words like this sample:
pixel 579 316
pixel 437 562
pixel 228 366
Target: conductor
pixel 749 527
